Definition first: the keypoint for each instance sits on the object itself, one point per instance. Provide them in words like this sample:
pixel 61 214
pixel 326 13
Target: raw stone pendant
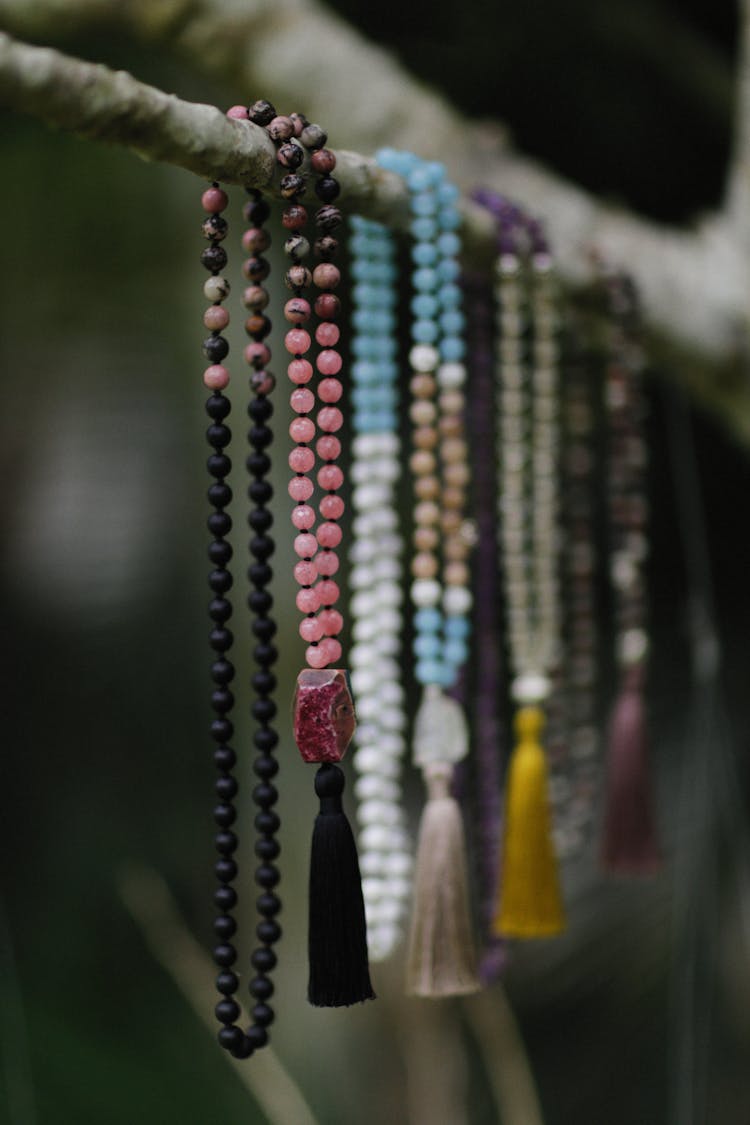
pixel 324 717
pixel 440 730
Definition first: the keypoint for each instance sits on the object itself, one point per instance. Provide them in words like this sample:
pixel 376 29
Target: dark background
pixel 102 593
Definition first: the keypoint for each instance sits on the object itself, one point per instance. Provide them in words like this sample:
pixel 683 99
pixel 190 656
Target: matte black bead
pixel 266 739
pixel 260 491
pixel 219 465
pixel 215 228
pixel 225 927
pixel 260 519
pixel 220 552
pixel 262 546
pixel 259 464
pixel 267 849
pixel 264 710
pixel 220 610
pixel 227 982
pixel 225 898
pixel 220 580
pixel 229 1037
pixel 215 348
pixel 219 523
pixel 260 573
pixel 222 730
pixel 261 988
pixel 265 654
pixel 214 258
pixel 226 788
pixel 260 437
pixel 243 1050
pixel 226 842
pixel 225 758
pixel 264 960
pixel 261 409
pixel 257 1036
pixel 291 185
pixel 260 601
pixel 222 700
pixel 265 795
pixel 327 189
pixel 264 682
pixel 265 768
pixel 256 211
pixel 220 495
pixel 218 406
pixel 262 1015
pixel 268 932
pixel 222 671
pixel 225 815
pixel 218 436
pixel 267 876
pixel 329 781
pixel 264 628
pixel 268 905
pixel 261 113
pixel 225 955
pixel 221 639
pixel 225 870
pixel 267 821
pixel 227 1011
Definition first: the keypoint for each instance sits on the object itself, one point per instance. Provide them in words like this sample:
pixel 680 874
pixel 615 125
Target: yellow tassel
pixel 530 901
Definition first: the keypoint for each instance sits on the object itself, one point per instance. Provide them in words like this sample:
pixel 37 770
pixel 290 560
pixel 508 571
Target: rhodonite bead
pixel 324 715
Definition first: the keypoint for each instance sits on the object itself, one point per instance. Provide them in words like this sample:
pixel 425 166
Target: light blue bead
pixel 448 269
pixel 424 305
pixel 364 371
pixel 384 272
pixel 457 628
pixel 424 254
pixel 437 171
pixel 428 620
pixel 424 228
pixel 429 672
pixel 449 244
pixel 455 653
pixel 447 192
pixel 364 347
pixel 424 331
pixel 424 280
pixel 452 349
pixel 450 219
pixel 427 646
pixel 452 322
pixel 423 204
pixel 364 293
pixel 421 178
pixel 450 295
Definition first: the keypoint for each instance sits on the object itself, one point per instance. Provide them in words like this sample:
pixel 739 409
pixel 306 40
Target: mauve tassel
pixel 442 959
pixel 337 936
pixel 629 844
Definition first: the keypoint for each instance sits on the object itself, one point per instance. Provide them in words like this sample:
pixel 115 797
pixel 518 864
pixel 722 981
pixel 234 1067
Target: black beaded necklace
pixel 242 1044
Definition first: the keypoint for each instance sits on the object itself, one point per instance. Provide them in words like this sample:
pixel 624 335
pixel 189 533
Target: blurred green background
pixel 639 1015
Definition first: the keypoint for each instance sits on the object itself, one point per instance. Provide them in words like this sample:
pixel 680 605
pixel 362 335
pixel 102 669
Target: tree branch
pixel 694 283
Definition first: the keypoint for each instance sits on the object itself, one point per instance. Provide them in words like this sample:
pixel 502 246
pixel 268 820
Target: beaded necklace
pixel 216 377
pixel 529 903
pixel 441 958
pixel 376 604
pixel 629 844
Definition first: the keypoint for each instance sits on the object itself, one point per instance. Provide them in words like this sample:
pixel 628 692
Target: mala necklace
pixel 324 719
pixel 629 844
pixel 529 896
pixel 376 604
pixel 441 958
pixel 216 377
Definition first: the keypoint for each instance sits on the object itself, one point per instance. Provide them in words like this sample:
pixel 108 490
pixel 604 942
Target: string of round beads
pixel 376 604
pixel 528 482
pixel 216 377
pixel 628 506
pixel 439 459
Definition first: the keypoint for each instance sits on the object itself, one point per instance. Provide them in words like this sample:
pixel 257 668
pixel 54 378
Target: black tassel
pixel 337 935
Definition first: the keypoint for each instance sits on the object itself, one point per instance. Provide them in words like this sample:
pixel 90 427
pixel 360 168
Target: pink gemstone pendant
pixel 324 718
